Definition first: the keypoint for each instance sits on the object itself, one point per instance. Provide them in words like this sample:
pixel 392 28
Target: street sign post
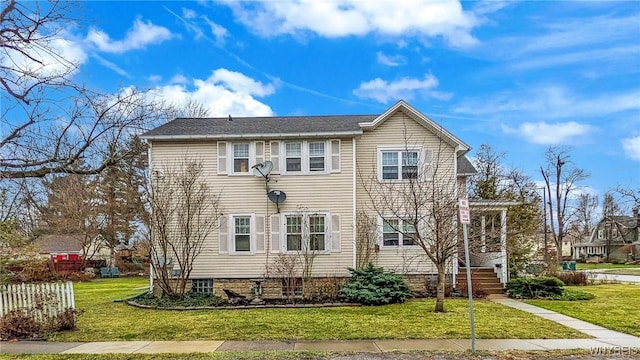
pixel 465 219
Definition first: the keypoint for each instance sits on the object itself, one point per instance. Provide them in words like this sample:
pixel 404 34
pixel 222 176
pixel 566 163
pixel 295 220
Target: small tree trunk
pixel 440 289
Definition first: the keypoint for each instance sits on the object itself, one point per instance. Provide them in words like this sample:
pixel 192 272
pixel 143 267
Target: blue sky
pixel 520 76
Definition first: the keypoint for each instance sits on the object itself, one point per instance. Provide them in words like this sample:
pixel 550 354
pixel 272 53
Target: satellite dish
pixel 277 197
pixel 262 169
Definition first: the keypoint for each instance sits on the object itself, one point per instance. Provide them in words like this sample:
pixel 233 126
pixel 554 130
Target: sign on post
pixel 463 205
pixel 465 219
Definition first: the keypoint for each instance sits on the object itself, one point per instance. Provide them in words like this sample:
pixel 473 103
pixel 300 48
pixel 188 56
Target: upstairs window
pixel 316 156
pixel 399 164
pixel 241 158
pixel 293 157
pixel 308 157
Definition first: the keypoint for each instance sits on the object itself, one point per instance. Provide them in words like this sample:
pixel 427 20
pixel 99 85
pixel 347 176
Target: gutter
pixel 252 136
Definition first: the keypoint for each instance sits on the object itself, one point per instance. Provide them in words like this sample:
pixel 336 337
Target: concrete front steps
pixel 485 278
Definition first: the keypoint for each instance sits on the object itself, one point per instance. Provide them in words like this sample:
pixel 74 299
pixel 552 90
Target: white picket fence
pixel 42 301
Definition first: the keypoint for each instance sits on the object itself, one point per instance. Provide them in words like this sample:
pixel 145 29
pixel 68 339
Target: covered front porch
pixel 487 235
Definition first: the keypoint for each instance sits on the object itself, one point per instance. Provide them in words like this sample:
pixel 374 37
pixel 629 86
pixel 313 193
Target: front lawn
pixel 104 320
pixel 603 266
pixel 635 271
pixel 615 307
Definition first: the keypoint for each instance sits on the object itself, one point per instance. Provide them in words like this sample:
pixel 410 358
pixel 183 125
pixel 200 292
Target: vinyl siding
pixel 399 131
pixel 246 194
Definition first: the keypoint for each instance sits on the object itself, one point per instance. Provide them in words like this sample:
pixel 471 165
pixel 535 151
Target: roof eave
pixel 254 136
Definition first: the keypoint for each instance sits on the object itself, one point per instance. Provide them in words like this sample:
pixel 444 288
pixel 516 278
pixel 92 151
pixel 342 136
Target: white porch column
pixel 503 245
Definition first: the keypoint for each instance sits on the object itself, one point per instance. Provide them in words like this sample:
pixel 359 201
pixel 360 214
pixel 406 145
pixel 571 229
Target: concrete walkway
pixel 604 340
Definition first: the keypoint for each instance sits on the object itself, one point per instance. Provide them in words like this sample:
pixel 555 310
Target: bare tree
pixel 288 268
pixel 28 31
pixel 610 206
pixel 561 178
pixel 366 240
pixel 184 212
pixel 423 207
pixel 585 213
pixel 494 182
pixel 629 197
pixel 52 123
pixel 71 208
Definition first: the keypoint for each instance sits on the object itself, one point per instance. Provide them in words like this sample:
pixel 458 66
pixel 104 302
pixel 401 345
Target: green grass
pixel 222 355
pixel 635 271
pixel 615 307
pixel 104 320
pixel 594 266
pixel 315 355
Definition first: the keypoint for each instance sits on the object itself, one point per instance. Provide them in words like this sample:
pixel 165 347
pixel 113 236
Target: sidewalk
pixel 603 338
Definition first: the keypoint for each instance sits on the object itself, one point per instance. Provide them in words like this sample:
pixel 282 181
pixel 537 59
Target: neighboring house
pixel 319 163
pixel 60 246
pixel 614 237
pixel 65 247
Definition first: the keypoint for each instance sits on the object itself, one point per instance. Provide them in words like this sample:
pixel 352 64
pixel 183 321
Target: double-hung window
pixel 306 157
pixel 241 158
pixel 399 164
pixel 294 232
pixel 242 234
pixel 316 156
pixel 306 232
pixel 398 232
pixel 316 232
pixel 293 157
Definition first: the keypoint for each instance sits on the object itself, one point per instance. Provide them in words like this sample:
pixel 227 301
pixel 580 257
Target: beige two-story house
pixel 317 170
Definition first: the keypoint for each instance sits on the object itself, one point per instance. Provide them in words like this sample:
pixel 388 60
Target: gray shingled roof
pixel 59 243
pixel 259 127
pixel 465 167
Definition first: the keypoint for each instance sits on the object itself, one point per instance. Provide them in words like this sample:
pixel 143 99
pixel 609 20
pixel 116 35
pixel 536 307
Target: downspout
pixel 353 205
pixel 149 185
pixel 454 260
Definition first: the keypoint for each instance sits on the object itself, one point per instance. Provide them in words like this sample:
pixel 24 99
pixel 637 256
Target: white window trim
pixel 400 149
pixel 231 157
pixel 232 234
pixel 305 231
pixel 381 220
pixel 305 157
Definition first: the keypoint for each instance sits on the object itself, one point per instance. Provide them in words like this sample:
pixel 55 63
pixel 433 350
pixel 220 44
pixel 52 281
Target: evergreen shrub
pixel 374 286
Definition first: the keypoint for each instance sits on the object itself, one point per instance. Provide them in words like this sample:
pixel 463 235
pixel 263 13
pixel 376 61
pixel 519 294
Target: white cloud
pixel 549 134
pixel 240 83
pixel 631 147
pixel 224 92
pixel 138 37
pixel 58 57
pixel 332 19
pixel 188 13
pixel 179 79
pixel 218 31
pixel 404 88
pixel 118 70
pixel 390 60
pixel 549 102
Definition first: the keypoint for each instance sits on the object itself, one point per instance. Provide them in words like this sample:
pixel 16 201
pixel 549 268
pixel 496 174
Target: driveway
pixel 604 276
